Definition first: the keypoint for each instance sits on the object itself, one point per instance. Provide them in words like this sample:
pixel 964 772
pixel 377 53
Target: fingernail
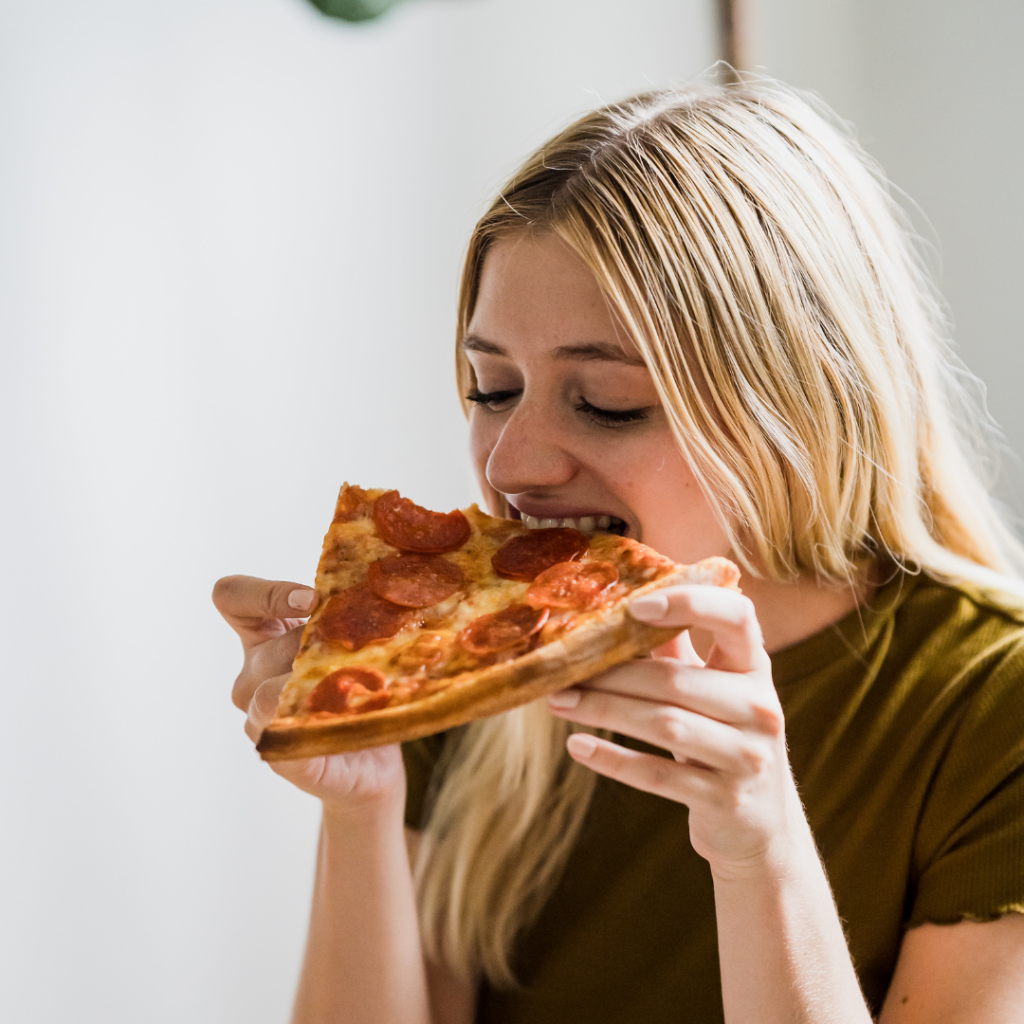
pixel 564 698
pixel 302 600
pixel 581 744
pixel 649 608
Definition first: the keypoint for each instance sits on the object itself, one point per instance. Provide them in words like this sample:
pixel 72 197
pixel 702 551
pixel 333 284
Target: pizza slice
pixel 427 620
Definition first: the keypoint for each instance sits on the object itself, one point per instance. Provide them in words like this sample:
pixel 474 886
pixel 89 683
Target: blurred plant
pixel 353 10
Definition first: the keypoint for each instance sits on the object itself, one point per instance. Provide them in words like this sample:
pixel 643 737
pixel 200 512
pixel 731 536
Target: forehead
pixel 537 296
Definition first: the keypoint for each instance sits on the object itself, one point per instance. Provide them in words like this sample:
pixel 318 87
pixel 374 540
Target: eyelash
pixel 611 417
pixel 490 398
pixel 605 417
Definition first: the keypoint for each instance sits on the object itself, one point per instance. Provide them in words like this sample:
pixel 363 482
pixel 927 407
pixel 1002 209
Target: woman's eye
pixel 492 399
pixel 611 417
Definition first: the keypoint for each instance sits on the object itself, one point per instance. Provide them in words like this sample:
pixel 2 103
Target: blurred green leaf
pixel 353 10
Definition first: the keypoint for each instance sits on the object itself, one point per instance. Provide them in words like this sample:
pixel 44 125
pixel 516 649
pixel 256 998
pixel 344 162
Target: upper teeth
pixel 585 524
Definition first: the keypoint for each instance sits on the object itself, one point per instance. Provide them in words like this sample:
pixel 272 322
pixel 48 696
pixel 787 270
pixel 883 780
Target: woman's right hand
pixel 268 617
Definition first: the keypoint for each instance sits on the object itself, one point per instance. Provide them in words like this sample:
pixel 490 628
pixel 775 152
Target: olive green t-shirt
pixel 905 724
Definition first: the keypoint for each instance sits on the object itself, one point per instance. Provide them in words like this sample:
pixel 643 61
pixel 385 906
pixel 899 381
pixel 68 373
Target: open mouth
pixel 585 524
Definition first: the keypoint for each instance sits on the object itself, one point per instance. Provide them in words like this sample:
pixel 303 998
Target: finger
pixel 686 735
pixel 661 776
pixel 681 648
pixel 687 654
pixel 270 658
pixel 727 615
pixel 251 597
pixel 263 706
pixel 257 608
pixel 729 697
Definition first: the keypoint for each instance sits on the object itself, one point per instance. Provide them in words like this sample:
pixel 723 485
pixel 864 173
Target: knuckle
pixel 223 590
pixel 268 600
pixel 729 799
pixel 680 683
pixel 662 773
pixel 274 656
pixel 745 612
pixel 665 671
pixel 768 719
pixel 753 758
pixel 672 726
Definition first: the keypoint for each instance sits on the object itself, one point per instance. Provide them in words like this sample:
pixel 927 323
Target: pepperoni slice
pixel 414 581
pixel 575 585
pixel 527 555
pixel 357 616
pixel 500 630
pixel 412 528
pixel 332 693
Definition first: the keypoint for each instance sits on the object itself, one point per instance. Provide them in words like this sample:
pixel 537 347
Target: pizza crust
pixel 593 647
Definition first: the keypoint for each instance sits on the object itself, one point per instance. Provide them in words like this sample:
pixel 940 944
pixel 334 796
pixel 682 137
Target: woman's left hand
pixel 720 720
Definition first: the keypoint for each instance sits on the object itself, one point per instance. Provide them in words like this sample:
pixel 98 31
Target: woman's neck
pixel 791 612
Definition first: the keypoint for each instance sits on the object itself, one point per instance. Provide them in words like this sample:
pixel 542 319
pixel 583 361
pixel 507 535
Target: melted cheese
pixel 349 547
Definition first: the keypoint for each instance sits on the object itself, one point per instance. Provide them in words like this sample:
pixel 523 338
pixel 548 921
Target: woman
pixel 699 313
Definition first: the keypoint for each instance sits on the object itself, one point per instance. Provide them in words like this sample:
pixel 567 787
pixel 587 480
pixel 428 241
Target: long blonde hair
pixel 755 257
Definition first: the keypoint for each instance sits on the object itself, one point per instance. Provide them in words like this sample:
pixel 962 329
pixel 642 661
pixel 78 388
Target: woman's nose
pixel 529 453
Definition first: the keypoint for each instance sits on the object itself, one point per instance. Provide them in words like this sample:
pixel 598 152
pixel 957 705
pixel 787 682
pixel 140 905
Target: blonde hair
pixel 754 255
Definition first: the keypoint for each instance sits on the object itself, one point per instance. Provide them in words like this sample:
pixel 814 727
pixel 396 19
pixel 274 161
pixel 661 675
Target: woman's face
pixel 567 422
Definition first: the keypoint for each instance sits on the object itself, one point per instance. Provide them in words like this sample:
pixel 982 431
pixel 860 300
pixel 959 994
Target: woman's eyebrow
pixel 593 350
pixel 597 350
pixel 474 343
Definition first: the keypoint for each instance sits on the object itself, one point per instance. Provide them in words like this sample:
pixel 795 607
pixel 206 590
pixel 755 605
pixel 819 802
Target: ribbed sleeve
pixel 970 840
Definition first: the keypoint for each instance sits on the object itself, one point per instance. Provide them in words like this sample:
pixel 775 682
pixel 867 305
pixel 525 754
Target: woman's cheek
pixel 676 517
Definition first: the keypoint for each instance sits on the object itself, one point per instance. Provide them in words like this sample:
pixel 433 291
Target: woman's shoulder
pixel 932 668
pixel 970 828
pixel 974 632
pixel 964 628
pixel 946 677
pixel 990 595
pixel 917 622
pixel 953 643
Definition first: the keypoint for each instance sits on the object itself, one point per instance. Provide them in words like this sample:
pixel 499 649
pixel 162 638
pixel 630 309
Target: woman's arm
pixel 782 950
pixel 967 973
pixel 363 963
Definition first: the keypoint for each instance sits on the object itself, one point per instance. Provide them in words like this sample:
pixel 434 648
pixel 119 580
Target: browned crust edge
pixel 586 651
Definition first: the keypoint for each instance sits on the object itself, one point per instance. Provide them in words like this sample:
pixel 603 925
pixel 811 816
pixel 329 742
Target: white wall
pixel 229 239
pixel 936 90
